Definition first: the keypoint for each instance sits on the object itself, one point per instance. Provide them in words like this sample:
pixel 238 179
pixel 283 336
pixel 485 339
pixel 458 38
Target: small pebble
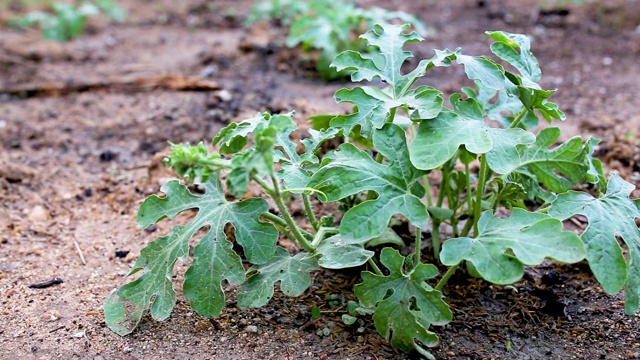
pixel 51 315
pixel 252 329
pixel 38 214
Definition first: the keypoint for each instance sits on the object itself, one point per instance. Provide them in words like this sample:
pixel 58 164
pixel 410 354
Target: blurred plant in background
pixel 65 22
pixel 328 26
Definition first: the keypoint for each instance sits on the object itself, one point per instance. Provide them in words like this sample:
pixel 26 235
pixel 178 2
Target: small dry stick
pixel 78 250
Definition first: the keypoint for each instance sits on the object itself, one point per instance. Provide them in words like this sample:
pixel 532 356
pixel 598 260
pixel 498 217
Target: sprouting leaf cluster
pixel 65 21
pixel 473 165
pixel 327 26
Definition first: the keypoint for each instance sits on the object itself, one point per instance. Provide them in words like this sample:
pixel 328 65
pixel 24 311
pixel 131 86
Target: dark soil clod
pixel 122 253
pixel 46 284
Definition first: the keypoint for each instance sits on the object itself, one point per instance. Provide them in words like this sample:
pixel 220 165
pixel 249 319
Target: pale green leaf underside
pixel 374 107
pixel 353 171
pixel 125 307
pixel 338 254
pixel 610 215
pixel 515 49
pixel 405 305
pixel 296 169
pixel 504 246
pixel 291 271
pixel 234 136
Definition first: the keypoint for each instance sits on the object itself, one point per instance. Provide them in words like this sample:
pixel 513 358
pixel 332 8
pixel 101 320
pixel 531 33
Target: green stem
pixel 435 238
pixel 264 185
pixel 283 225
pixel 322 232
pixel 479 192
pixel 273 218
pixel 469 191
pixel 379 157
pixel 375 267
pixel 518 118
pixel 287 217
pixel 309 211
pixel 446 277
pixel 467 227
pixel 443 185
pixel 427 189
pixel 216 163
pixel 418 252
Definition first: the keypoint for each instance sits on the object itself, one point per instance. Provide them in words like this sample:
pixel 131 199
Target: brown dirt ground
pixel 74 166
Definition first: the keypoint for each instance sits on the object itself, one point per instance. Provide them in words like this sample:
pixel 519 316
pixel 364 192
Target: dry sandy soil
pixel 84 124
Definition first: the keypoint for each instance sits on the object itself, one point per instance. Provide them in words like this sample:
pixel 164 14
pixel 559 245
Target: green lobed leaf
pixel 610 215
pixel 352 171
pixel 235 136
pixel 595 174
pixel 195 163
pixel 438 140
pixel 499 105
pixel 338 254
pixel 483 70
pixel 268 132
pixel 373 107
pixel 503 246
pixel 296 169
pixel 386 62
pixel 291 271
pixel 125 307
pixel 515 49
pixel 405 305
pixel 558 169
pixel 214 260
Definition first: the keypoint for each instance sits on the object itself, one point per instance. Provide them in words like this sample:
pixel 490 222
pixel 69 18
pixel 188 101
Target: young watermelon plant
pixel 396 137
pixel 327 26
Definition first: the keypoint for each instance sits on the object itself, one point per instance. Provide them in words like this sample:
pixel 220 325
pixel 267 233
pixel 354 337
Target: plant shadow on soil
pixel 74 166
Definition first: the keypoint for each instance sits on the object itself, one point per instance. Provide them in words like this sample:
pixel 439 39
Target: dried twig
pixel 78 250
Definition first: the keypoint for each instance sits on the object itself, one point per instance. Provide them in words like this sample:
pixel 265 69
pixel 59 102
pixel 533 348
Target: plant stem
pixel 264 185
pixel 279 222
pixel 273 218
pixel 427 189
pixel 435 238
pixel 446 277
pixel 309 211
pixel 418 252
pixel 374 266
pixel 479 192
pixel 518 118
pixel 467 227
pixel 287 217
pixel 320 235
pixel 469 192
pixel 379 157
pixel 216 163
pixel 443 185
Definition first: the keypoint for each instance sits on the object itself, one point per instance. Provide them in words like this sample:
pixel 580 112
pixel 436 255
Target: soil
pixel 84 126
